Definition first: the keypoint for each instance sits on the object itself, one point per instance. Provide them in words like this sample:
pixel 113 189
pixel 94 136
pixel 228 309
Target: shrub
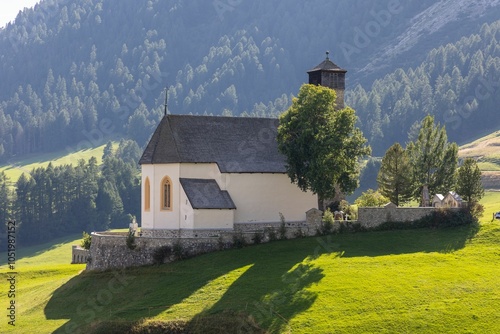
pixel 476 210
pixel 327 223
pixel 257 237
pixel 271 233
pixel 282 228
pixel 179 251
pixel 220 243
pixel 371 198
pixel 160 253
pixel 131 240
pixel 239 240
pixel 443 218
pixel 87 241
pixel 299 233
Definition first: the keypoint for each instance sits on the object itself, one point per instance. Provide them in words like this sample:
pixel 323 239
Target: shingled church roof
pixel 235 144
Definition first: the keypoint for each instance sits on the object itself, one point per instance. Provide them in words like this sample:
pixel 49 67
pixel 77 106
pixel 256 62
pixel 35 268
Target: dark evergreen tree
pixel 395 176
pixel 5 199
pixel 469 184
pixel 433 159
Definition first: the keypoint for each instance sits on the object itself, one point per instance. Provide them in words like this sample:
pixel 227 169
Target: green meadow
pixel 16 167
pixel 410 281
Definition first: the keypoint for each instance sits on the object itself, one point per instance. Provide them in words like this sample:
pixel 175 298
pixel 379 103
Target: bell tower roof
pixel 327 66
pixel 329 75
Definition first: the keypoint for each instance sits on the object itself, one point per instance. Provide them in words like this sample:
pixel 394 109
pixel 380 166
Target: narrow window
pixel 147 195
pixel 166 194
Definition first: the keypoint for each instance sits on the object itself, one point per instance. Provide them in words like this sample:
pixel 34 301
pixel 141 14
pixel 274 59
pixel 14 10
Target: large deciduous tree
pixel 469 184
pixel 394 178
pixel 433 158
pixel 322 145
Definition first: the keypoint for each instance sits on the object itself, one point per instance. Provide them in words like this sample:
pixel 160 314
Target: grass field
pixel 15 168
pixel 486 151
pixel 418 281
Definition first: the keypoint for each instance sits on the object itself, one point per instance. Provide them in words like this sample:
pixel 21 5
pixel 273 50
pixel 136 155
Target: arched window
pixel 147 195
pixel 166 194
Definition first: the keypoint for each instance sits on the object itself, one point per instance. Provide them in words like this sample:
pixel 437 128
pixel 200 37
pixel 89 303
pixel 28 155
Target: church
pixel 204 173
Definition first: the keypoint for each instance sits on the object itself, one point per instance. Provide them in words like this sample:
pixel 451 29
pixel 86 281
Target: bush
pixel 476 210
pixel 239 240
pixel 271 233
pixel 160 253
pixel 87 241
pixel 327 223
pixel 282 228
pixel 220 242
pixel 131 240
pixel 443 218
pixel 299 233
pixel 179 251
pixel 257 237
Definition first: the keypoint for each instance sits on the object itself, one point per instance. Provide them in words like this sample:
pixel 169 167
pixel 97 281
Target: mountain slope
pixel 77 71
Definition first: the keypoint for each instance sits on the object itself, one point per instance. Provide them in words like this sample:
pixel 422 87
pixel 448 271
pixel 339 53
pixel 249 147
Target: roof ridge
pixel 219 117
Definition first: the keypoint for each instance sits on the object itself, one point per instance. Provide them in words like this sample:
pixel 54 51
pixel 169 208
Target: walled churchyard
pixel 121 250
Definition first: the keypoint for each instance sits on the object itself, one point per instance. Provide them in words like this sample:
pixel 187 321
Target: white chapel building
pixel 212 173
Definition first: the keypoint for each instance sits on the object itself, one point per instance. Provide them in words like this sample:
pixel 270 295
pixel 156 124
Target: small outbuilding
pixel 450 200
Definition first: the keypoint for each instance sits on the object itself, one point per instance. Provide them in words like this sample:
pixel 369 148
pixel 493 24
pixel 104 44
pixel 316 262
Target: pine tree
pixel 433 158
pixel 5 199
pixel 469 184
pixel 394 178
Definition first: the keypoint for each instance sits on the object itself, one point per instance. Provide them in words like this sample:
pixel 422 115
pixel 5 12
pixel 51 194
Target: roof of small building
pixel 235 144
pixel 455 196
pixel 206 194
pixel 439 196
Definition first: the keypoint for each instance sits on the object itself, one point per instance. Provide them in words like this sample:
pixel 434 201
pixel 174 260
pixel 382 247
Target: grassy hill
pixel 487 152
pixel 420 281
pixel 16 167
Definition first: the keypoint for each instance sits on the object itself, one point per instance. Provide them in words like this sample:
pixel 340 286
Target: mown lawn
pixel 418 281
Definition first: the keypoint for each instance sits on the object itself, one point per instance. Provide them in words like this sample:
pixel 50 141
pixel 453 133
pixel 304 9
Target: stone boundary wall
pixel 79 254
pixel 110 251
pixel 373 217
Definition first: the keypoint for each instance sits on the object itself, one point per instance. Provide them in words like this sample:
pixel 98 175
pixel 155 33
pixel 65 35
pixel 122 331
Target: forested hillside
pixel 459 83
pixel 54 201
pixel 75 72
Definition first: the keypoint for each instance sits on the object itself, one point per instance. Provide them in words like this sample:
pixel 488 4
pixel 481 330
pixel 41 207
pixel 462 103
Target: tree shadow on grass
pixel 273 300
pixel 271 287
pixel 394 242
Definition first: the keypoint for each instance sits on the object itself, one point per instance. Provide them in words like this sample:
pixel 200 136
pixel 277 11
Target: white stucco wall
pixel 204 171
pixel 213 219
pixel 258 198
pixel 157 218
pixel 187 212
pixel 261 197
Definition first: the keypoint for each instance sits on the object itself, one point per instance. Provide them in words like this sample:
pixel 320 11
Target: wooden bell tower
pixel 329 75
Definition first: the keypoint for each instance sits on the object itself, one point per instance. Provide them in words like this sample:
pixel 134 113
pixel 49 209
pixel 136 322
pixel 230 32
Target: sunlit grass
pixel 412 281
pixel 16 167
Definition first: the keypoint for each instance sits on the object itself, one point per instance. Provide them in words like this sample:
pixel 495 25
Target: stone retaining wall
pixel 110 251
pixel 373 217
